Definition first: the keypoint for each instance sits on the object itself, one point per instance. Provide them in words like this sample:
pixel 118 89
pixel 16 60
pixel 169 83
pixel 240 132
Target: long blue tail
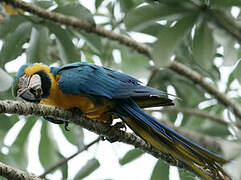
pixel 167 140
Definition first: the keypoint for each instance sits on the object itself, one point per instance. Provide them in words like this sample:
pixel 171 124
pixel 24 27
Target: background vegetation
pixel 203 35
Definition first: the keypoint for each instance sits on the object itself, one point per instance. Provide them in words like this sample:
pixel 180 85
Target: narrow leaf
pixel 47 147
pixel 5 80
pixel 72 136
pixel 38 45
pixel 64 168
pixel 67 51
pixel 44 4
pixel 18 150
pixel 225 3
pixel 98 3
pixel 10 24
pixel 130 156
pixel 168 39
pixel 184 175
pixel 204 48
pixel 237 71
pixel 12 46
pixel 144 16
pixel 76 10
pixel 88 168
pixel 126 5
pixel 230 54
pixel 92 40
pixel 160 171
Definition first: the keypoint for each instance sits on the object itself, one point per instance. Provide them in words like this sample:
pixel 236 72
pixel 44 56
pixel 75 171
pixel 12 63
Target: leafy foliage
pixel 186 31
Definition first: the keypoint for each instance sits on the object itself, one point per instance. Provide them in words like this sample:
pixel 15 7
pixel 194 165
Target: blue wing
pixel 86 78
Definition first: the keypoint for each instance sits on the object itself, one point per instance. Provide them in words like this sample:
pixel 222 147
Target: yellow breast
pixel 65 101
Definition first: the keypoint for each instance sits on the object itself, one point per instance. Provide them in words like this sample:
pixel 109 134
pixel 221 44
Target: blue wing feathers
pixel 79 78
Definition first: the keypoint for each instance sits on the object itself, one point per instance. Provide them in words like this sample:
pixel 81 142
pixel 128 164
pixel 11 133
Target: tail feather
pixel 152 101
pixel 167 140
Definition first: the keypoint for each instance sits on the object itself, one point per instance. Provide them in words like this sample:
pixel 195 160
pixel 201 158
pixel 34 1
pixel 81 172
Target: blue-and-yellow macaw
pixel 98 92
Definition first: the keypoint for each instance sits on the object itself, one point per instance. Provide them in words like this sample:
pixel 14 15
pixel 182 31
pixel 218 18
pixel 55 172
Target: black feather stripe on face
pixel 45 83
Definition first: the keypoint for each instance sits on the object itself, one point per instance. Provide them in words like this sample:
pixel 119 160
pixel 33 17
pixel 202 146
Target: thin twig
pixel 152 76
pixel 65 160
pixel 200 113
pixel 210 88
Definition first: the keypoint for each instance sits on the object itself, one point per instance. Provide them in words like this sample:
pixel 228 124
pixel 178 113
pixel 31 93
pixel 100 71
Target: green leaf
pixel 168 39
pixel 92 40
pixel 237 71
pixel 224 3
pixel 213 129
pixel 160 171
pixel 126 5
pixel 230 55
pixel 47 147
pixel 132 59
pixel 185 175
pixel 152 29
pixel 5 80
pixel 6 123
pixel 144 16
pixel 18 149
pixel 64 168
pixel 98 3
pixel 204 48
pixel 12 46
pixel 88 168
pixel 10 24
pixel 44 4
pixel 76 10
pixel 130 156
pixel 67 51
pixel 73 135
pixel 38 45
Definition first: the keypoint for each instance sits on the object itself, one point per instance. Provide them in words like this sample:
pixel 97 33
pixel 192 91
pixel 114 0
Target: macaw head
pixel 32 82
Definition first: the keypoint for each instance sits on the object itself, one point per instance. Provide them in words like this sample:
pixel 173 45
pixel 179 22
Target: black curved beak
pixel 32 95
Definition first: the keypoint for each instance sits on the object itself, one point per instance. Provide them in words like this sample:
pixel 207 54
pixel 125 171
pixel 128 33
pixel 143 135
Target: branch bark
pixel 141 48
pixel 16 174
pixel 26 108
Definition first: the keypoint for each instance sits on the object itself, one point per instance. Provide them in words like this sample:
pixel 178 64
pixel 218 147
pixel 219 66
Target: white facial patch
pixel 28 82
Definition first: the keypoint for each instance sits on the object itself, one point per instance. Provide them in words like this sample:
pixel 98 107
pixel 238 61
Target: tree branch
pixel 65 160
pixel 26 108
pixel 200 113
pixel 14 173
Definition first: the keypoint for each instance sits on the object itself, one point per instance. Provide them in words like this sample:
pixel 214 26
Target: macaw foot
pixel 57 121
pixel 118 126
